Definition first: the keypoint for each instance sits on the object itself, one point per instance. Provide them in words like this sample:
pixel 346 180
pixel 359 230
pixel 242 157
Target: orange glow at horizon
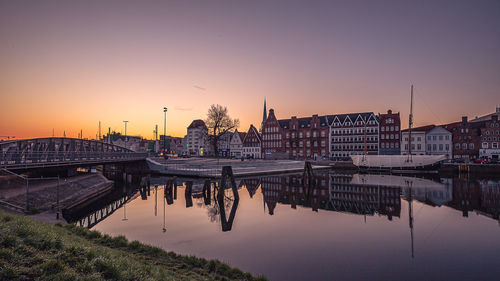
pixel 67 66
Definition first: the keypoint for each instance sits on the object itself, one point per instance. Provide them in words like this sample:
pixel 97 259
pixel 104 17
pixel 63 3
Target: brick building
pixel 466 138
pixel 272 137
pixel 390 133
pixel 252 144
pixel 305 138
pixel 490 137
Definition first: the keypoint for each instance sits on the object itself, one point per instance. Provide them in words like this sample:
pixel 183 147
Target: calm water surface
pixel 338 227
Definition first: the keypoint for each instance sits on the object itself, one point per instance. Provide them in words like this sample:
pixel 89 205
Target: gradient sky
pixel 67 64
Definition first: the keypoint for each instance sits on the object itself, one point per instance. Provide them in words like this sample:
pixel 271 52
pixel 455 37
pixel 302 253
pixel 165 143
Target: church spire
pixel 264 115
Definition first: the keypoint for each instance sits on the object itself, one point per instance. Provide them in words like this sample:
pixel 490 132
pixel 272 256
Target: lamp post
pixel 165 129
pixel 125 122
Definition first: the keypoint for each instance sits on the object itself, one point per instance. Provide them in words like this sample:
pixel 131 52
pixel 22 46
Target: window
pixel 429 147
pixel 464 145
pixel 471 146
pixel 447 147
pixel 287 135
pixel 382 129
pixel 434 137
pixel 397 136
pixel 323 134
pixel 441 138
pixel 494 145
pixel 418 139
pixel 447 137
pixel 440 147
pixel 308 134
pixel 457 146
pixel 434 147
pixel 301 135
pixel 485 145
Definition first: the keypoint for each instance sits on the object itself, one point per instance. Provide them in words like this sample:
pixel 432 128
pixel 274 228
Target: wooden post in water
pixel 207 193
pixel 227 174
pixel 188 193
pixel 308 178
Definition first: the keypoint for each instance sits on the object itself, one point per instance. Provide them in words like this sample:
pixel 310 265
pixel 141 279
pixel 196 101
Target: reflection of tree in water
pixel 213 209
pixel 221 199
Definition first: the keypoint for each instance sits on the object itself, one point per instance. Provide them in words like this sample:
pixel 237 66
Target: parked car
pixel 482 161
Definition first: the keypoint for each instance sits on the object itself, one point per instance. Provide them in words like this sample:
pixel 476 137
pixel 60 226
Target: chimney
pixel 389 111
pixel 498 109
pixel 464 119
pixel 271 111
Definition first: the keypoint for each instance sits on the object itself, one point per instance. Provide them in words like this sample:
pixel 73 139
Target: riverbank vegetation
pixel 32 250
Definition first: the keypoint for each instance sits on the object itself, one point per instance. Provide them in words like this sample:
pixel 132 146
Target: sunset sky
pixel 69 64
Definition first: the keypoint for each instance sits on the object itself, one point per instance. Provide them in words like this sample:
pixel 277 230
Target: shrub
pixel 119 242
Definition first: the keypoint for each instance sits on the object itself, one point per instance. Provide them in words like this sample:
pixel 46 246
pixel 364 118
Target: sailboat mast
pixel 410 124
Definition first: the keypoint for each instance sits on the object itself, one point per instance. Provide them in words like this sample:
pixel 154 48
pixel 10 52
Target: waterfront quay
pixel 212 167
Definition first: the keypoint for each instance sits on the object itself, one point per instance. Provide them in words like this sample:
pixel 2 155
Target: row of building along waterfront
pixel 338 136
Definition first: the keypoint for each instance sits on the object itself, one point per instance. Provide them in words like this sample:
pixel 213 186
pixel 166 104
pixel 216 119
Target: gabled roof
pixel 342 118
pixel 284 123
pixel 253 130
pixel 421 128
pixel 242 136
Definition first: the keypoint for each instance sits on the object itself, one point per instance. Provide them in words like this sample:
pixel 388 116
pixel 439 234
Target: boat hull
pixel 397 162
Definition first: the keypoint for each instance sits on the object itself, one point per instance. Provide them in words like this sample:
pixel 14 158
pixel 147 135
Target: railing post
pixel 27 194
pixel 58 209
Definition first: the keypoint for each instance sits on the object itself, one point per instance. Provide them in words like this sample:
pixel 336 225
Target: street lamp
pixel 125 122
pixel 165 130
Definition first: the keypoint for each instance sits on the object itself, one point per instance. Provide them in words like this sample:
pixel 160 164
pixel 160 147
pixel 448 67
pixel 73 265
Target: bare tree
pixel 218 123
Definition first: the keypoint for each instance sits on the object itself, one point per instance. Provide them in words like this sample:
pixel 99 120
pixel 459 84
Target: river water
pixel 333 227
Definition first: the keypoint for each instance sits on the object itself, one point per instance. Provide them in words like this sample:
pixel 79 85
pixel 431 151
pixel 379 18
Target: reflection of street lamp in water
pixel 124 213
pixel 156 200
pixel 164 199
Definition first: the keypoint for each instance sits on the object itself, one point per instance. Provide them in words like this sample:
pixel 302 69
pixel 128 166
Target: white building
pixel 439 142
pixel 197 136
pixel 348 135
pixel 236 144
pixel 417 140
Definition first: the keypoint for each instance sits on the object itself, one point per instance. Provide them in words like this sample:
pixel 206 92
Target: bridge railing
pixel 9 159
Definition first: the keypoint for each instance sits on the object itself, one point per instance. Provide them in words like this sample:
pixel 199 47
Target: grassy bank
pixel 32 250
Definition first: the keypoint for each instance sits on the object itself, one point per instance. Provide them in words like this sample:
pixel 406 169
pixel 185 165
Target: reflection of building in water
pixel 271 189
pixel 480 196
pixel 363 197
pixel 423 190
pixel 331 192
pixel 251 185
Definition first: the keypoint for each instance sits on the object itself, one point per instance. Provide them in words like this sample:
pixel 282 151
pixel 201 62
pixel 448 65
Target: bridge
pixel 58 152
